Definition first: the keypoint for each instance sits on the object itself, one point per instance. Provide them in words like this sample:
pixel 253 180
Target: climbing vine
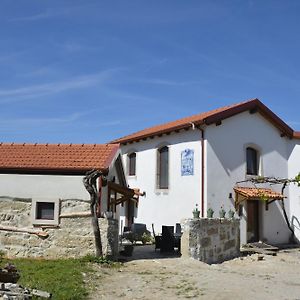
pixel 275 181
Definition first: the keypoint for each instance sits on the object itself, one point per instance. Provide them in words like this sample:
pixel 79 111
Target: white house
pixel 42 193
pixel 198 160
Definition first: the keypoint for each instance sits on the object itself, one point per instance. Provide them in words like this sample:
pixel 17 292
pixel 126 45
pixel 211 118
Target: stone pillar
pixel 211 240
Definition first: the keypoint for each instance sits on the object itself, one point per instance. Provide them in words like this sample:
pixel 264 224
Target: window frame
pixel 129 169
pixel 159 172
pixel 34 212
pixel 255 163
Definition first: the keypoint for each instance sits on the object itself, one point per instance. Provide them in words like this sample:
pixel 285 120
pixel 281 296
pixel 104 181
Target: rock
pixel 260 257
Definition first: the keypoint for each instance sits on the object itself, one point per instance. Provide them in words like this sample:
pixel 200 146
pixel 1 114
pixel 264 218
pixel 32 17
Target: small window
pixel 45 212
pixel 132 164
pixel 252 161
pixel 163 168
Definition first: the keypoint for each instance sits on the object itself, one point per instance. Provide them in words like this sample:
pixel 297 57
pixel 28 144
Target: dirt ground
pixel 152 276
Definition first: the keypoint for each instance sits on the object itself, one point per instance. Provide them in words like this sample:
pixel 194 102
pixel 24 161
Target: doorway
pixel 252 221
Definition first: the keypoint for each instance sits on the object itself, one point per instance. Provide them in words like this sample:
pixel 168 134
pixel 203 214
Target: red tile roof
pixel 208 118
pixel 55 158
pixel 296 135
pixel 258 193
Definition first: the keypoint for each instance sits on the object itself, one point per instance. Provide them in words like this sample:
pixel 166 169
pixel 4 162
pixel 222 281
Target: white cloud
pixel 40 16
pixel 50 88
pixel 160 81
pixel 28 122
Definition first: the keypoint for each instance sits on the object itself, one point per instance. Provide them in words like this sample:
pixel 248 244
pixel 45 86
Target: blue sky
pixel 92 71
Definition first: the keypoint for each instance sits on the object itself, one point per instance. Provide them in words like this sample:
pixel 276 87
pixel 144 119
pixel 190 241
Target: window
pixel 163 168
pixel 132 164
pixel 252 161
pixel 45 212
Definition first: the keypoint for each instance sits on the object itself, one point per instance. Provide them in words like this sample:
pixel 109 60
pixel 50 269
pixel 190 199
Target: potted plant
pixel 210 212
pixel 196 212
pixel 231 214
pixel 222 212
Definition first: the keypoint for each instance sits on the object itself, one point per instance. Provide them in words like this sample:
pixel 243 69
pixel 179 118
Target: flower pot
pixel 128 249
pixel 222 213
pixel 231 214
pixel 210 213
pixel 196 214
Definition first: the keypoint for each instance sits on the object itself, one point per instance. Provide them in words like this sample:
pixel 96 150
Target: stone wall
pixel 73 237
pixel 211 240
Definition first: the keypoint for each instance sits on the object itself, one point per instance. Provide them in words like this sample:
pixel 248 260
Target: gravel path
pixel 150 276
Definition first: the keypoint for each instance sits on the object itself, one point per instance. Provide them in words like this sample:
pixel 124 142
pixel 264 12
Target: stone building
pixel 44 206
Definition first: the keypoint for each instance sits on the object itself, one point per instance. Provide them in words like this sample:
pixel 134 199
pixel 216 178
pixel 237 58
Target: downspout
pixel 202 171
pixel 202 167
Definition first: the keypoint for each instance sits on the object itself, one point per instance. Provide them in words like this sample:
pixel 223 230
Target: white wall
pixel 226 164
pixel 165 207
pixel 294 190
pixel 42 186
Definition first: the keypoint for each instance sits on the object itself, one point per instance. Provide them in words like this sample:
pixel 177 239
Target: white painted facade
pixel 224 165
pixel 294 190
pixel 165 207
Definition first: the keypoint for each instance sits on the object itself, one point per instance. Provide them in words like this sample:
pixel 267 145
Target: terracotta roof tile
pixel 208 118
pixel 59 157
pixel 256 193
pixel 297 135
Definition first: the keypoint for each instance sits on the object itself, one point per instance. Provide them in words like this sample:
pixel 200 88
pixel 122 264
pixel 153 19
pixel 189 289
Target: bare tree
pixel 90 183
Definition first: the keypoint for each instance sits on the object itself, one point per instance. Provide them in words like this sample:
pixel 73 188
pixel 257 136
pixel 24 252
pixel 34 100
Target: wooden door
pixel 252 221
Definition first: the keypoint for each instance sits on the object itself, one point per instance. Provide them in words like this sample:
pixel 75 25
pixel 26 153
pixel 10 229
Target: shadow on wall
pixel 295 225
pixel 275 228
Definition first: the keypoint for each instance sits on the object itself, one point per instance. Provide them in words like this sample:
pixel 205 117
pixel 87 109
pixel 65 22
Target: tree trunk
pixel 90 184
pixel 285 214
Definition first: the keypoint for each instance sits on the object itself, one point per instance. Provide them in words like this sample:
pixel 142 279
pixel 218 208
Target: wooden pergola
pixel 121 194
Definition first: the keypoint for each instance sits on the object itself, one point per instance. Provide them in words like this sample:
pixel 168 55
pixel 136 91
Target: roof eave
pixel 157 133
pixel 296 135
pixel 49 171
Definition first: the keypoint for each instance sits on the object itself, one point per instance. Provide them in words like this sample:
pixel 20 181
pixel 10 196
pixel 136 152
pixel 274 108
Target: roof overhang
pixel 48 171
pixel 296 135
pixel 253 106
pixel 247 193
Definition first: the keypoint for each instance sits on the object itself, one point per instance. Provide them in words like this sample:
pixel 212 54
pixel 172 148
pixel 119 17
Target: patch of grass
pixel 104 261
pixel 63 278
